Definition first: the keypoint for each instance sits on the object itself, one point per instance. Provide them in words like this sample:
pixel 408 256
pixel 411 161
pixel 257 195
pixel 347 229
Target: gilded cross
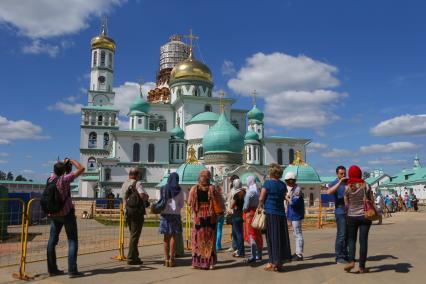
pixel 222 105
pixel 140 83
pixel 254 97
pixel 191 38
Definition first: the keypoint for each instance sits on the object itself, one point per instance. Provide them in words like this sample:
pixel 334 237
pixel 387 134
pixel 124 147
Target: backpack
pixel 51 201
pixel 134 203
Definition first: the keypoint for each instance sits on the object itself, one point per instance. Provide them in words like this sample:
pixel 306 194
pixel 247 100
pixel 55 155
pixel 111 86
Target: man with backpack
pixel 57 204
pixel 134 200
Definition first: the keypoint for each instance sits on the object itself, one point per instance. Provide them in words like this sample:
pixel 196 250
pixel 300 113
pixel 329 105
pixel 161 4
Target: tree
pixel 20 178
pixel 9 176
pixel 2 175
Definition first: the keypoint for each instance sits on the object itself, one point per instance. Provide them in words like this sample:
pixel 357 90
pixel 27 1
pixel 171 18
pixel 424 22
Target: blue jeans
pixel 237 225
pixel 220 221
pixel 56 224
pixel 298 236
pixel 341 237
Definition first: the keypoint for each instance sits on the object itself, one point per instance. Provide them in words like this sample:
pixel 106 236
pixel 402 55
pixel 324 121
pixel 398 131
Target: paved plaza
pixel 397 253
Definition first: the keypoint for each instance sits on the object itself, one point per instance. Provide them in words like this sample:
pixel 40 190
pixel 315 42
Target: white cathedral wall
pixel 197 131
pixel 167 113
pixel 124 149
pixel 270 151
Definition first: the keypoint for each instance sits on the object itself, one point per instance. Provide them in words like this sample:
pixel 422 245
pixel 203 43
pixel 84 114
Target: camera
pixel 67 165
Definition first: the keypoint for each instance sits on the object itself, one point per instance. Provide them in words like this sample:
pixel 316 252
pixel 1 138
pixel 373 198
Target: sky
pixel 350 75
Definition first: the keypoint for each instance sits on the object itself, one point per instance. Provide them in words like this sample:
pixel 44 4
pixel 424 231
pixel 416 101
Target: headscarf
pixel 172 188
pixel 204 178
pixel 251 184
pixel 237 187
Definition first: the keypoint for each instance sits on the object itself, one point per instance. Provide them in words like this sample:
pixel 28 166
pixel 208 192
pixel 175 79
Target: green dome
pixel 206 116
pixel 178 132
pixel 188 173
pixel 255 114
pixel 163 181
pixel 139 105
pixel 223 137
pixel 251 135
pixel 244 177
pixel 304 174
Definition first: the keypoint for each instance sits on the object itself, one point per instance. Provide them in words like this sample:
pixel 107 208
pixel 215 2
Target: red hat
pixel 355 175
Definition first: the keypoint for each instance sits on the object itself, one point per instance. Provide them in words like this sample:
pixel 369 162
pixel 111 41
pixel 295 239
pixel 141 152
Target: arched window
pixel 161 127
pixel 136 152
pixel 279 156
pixel 92 140
pixel 196 92
pixel 235 124
pixel 249 153
pixel 151 126
pixel 200 153
pixel 177 151
pixel 311 199
pixel 182 152
pixel 151 153
pixel 207 108
pixel 102 58
pixel 107 174
pixel 100 118
pixel 110 60
pixel 290 156
pixel 172 151
pixel 212 171
pixel 95 58
pixel 91 164
pixel 106 140
pixel 255 153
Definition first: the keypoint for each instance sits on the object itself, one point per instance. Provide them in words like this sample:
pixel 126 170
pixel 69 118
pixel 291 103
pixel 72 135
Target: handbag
pixel 370 212
pixel 158 207
pixel 259 220
pixel 218 203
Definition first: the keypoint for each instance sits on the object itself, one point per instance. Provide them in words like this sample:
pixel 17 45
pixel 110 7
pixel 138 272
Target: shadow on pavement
pixel 321 255
pixel 303 266
pixel 381 257
pixel 399 267
pixel 113 270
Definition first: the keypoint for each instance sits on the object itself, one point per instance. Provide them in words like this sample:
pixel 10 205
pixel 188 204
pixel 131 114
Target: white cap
pixel 290 175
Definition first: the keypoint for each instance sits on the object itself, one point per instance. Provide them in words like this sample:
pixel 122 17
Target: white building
pixel 180 114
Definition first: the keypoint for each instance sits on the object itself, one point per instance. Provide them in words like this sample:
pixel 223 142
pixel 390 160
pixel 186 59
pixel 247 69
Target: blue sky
pixel 350 75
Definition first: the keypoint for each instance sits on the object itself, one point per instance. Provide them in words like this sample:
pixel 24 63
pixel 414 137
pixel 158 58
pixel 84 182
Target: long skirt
pixel 249 232
pixel 203 239
pixel 277 238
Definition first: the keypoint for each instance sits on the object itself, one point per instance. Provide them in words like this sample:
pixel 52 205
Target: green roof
pixel 21 182
pixel 90 178
pixel 140 105
pixel 251 135
pixel 206 116
pixel 110 108
pixel 163 181
pixel 223 137
pixel 178 132
pixel 328 179
pixel 255 114
pixel 305 174
pixel 188 173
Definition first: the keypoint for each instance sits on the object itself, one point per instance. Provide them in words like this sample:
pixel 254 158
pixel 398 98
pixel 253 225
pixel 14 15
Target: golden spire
pixel 191 38
pixel 254 97
pixel 192 159
pixel 298 161
pixel 104 26
pixel 222 105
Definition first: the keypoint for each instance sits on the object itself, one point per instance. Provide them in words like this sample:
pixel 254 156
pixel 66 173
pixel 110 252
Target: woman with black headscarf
pixel 170 220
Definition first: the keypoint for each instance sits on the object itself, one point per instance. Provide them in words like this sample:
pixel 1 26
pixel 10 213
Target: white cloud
pixel 50 18
pixel 49 163
pixel 337 153
pixel 19 130
pixel 387 161
pixel 28 156
pixel 228 68
pixel 3 162
pixel 401 146
pixel 301 109
pixel 277 72
pixel 401 125
pixel 123 124
pixel 38 47
pixel 126 94
pixel 315 147
pixel 3 154
pixel 27 172
pixel 294 89
pixel 67 108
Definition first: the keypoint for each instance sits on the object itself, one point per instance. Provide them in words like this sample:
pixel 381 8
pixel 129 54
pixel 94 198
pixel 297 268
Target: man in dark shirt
pixel 337 189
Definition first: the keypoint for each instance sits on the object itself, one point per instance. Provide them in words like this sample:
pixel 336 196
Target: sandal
pixel 269 267
pixel 172 263
pixel 166 263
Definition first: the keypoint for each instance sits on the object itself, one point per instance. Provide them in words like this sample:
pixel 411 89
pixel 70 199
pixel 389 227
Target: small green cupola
pixel 178 132
pixel 255 119
pixel 138 114
pixel 139 105
pixel 251 136
pixel 255 114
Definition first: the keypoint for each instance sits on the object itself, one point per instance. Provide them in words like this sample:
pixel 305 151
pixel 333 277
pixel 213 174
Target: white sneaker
pixel 230 250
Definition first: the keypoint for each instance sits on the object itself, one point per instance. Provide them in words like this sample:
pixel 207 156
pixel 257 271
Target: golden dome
pixel 191 69
pixel 102 41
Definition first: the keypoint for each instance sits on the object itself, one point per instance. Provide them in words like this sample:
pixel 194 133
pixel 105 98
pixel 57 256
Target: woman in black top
pixel 237 217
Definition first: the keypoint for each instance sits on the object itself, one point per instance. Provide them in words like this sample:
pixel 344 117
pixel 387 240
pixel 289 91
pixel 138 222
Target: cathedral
pixel 178 126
